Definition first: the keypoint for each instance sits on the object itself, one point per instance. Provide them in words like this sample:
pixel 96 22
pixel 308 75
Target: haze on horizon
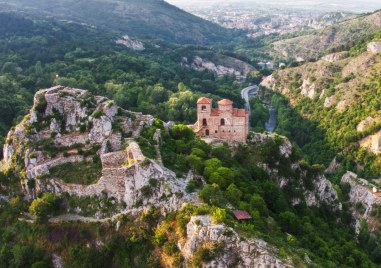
pixel 324 5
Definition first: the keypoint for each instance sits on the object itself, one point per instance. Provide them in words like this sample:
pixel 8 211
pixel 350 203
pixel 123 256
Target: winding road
pixel 252 91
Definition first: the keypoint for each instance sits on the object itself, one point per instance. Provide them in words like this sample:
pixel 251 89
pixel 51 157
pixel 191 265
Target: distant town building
pixel 262 64
pixel 266 65
pixel 224 122
pixel 269 65
pixel 282 64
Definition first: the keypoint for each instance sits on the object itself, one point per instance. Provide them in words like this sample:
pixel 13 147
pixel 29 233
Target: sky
pixel 331 5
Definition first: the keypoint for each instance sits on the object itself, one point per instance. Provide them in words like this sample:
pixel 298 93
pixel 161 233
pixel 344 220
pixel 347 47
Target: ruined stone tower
pixel 225 122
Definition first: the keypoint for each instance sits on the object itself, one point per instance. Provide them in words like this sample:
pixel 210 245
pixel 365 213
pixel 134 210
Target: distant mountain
pixel 148 19
pixel 338 37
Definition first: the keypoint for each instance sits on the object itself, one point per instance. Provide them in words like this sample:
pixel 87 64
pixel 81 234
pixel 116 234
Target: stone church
pixel 224 122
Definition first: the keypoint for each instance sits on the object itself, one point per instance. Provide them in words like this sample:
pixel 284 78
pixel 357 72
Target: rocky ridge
pixel 68 125
pixel 315 45
pixel 364 197
pixel 130 43
pixel 226 66
pixel 237 252
pixel 320 191
pixel 313 79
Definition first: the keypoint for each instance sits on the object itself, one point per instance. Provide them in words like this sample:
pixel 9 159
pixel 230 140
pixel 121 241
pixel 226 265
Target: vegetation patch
pixel 90 206
pixel 85 173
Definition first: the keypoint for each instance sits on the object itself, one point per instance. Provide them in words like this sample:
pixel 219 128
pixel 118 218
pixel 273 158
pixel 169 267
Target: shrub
pixel 146 191
pixel 42 207
pixel 193 185
pixel 97 114
pixel 153 182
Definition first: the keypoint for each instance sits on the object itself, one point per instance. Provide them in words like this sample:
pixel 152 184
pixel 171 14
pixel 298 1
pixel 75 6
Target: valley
pixel 103 165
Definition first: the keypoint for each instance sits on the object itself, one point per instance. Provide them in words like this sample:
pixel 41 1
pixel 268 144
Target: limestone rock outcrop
pixel 334 57
pixel 319 192
pixel 372 143
pixel 308 89
pixel 366 123
pixel 236 251
pixel 68 125
pixel 225 66
pixel 130 43
pixel 374 47
pixel 364 196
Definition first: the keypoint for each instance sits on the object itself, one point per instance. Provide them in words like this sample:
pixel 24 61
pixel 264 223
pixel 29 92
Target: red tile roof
pixel 239 112
pixel 214 112
pixel 225 102
pixel 241 215
pixel 204 100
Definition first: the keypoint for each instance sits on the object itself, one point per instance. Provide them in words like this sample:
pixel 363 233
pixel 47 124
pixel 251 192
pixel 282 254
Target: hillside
pixel 335 38
pixel 338 98
pixel 148 19
pixel 37 53
pixel 104 185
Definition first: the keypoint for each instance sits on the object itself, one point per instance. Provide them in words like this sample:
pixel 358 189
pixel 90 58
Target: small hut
pixel 241 215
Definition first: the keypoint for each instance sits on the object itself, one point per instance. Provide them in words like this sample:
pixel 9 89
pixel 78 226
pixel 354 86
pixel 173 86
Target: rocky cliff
pixel 317 189
pixel 236 251
pixel 71 126
pixel 365 199
pixel 221 66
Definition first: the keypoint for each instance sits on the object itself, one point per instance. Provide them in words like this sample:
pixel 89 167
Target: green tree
pixel 233 194
pixel 42 207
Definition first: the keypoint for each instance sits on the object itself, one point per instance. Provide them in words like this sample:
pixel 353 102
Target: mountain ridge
pixel 152 19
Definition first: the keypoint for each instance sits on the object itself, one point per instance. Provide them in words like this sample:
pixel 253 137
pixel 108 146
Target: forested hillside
pixel 39 53
pixel 338 37
pixel 330 106
pixel 148 19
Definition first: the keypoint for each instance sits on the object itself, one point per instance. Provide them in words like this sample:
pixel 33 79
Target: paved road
pixel 251 91
pixel 247 93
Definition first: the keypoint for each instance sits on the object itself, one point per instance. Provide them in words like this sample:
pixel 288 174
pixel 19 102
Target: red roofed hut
pixel 241 215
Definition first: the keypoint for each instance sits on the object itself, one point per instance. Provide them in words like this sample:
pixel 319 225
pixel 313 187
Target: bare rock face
pixel 364 193
pixel 342 105
pixel 130 43
pixel 74 126
pixel 372 143
pixel 334 57
pixel 332 166
pixel 329 101
pixel 269 82
pixel 308 89
pixel 365 124
pixel 231 66
pixel 320 192
pixel 236 252
pixel 323 193
pixel 374 47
